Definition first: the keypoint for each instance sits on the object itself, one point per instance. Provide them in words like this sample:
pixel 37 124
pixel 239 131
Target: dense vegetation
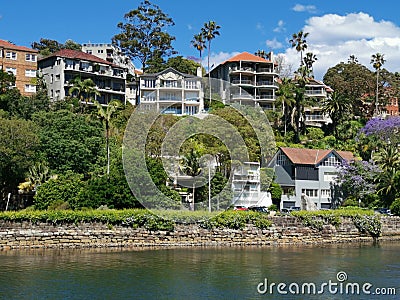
pixel 67 154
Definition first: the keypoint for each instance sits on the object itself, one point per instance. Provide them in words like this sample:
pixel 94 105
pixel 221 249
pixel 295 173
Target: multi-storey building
pixel 250 79
pixel 246 186
pixel 171 92
pixel 306 175
pixel 319 92
pixel 113 54
pixel 22 62
pixel 60 68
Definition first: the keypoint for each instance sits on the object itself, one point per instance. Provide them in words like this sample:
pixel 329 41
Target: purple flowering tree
pixel 386 130
pixel 356 180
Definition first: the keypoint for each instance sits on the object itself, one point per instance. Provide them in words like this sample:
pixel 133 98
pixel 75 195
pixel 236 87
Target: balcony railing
pixel 265 97
pixel 264 70
pixel 264 82
pixel 243 69
pixel 315 118
pixel 173 99
pixel 172 85
pixel 243 82
pixel 242 96
pixel 319 92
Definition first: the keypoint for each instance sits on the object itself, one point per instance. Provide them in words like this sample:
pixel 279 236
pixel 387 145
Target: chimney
pixel 199 72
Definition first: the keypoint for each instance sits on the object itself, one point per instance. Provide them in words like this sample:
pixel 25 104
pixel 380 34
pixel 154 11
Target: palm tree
pixel 199 43
pixel 286 97
pixel 299 42
pixel 377 62
pixel 105 115
pixel 190 165
pixel 388 158
pixel 352 59
pixel 309 60
pixel 84 89
pixel 337 107
pixel 209 32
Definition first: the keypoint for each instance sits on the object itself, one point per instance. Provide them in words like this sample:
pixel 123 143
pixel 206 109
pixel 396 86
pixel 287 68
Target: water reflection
pixel 189 273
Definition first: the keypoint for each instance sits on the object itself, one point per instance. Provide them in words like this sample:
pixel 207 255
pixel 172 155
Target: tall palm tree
pixel 209 32
pixel 377 61
pixel 190 165
pixel 105 115
pixel 299 42
pixel 199 43
pixel 286 97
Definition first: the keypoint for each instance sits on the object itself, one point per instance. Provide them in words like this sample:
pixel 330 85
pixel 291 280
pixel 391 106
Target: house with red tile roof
pixel 22 63
pixel 61 67
pixel 307 175
pixel 248 79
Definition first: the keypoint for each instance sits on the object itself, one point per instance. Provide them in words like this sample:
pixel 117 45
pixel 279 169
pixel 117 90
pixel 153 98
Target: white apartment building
pixel 319 91
pixel 252 80
pixel 246 186
pixel 60 68
pixel 171 92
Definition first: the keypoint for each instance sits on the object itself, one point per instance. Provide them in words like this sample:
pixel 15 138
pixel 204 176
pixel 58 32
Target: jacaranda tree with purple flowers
pixel 356 180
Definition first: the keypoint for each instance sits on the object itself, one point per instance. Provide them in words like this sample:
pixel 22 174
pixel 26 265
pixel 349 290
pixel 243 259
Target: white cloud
pixel 217 58
pixel 305 8
pixel 274 44
pixel 333 38
pixel 280 27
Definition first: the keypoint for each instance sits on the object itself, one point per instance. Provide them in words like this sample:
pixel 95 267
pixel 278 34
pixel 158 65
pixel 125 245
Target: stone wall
pixel 286 230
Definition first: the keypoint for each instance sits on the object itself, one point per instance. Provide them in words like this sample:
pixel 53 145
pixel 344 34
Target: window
pixel 149 83
pixel 30 73
pixel 331 160
pixel 30 57
pixel 282 160
pixel 11 55
pixel 89 51
pixel 30 88
pixel 12 71
pixel 310 192
pixel 1 52
pixel 57 77
pixel 330 176
pixel 325 193
pixel 100 51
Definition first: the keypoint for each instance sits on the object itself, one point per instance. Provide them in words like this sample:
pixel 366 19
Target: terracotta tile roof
pixel 312 156
pixel 10 46
pixel 246 56
pixel 75 54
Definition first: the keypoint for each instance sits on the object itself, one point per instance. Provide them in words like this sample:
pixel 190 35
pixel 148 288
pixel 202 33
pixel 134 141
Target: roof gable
pixel 304 156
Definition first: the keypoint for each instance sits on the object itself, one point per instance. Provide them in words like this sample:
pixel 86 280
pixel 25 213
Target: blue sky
pixel 337 28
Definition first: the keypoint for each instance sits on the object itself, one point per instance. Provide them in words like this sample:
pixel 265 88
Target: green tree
pixel 105 115
pixel 338 108
pixel 84 89
pixel 69 141
pixel 209 32
pixel 7 80
pixel 199 43
pixel 190 165
pixel 286 98
pixel 309 60
pixel 143 34
pixel 48 46
pixel 355 82
pixel 377 61
pixel 299 42
pixel 18 144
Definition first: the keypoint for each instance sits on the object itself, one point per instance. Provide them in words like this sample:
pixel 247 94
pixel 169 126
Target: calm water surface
pixel 193 273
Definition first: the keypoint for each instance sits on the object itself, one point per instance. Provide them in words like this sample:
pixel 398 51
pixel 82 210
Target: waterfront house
pixel 307 175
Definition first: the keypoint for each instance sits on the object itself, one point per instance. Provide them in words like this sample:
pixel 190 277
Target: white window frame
pixel 30 57
pixel 11 70
pixel 30 73
pixel 312 193
pixel 30 88
pixel 11 55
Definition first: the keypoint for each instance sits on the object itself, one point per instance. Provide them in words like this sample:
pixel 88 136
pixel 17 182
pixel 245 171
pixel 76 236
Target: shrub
pixel 395 207
pixel 238 220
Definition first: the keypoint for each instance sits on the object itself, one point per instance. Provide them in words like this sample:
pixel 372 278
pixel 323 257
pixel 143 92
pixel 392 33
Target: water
pixel 193 273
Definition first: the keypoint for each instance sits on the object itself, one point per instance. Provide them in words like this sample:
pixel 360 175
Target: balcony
pixel 242 82
pixel 242 97
pixel 170 99
pixel 243 69
pixel 265 83
pixel 316 92
pixel 265 97
pixel 265 70
pixel 316 118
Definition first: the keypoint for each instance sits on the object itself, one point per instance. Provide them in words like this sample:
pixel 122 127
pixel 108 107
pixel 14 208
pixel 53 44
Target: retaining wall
pixel 286 230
